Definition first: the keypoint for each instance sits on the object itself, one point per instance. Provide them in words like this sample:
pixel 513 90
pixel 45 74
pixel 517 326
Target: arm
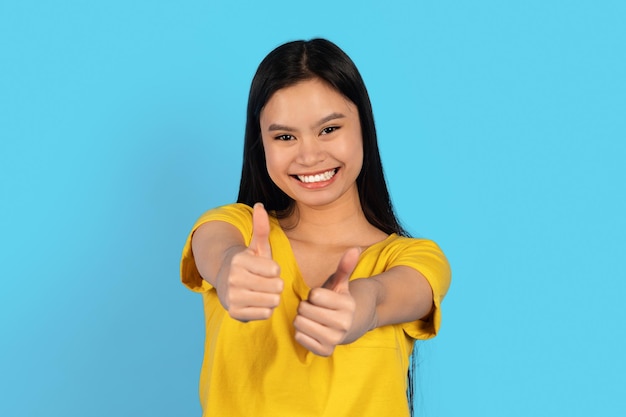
pixel 341 311
pixel 246 278
pixel 399 295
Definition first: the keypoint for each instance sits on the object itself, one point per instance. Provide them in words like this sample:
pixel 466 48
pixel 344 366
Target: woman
pixel 313 294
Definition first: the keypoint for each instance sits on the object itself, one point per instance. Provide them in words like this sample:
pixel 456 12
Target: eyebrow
pixel 333 116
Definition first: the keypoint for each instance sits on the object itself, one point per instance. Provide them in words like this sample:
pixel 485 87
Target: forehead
pixel 306 100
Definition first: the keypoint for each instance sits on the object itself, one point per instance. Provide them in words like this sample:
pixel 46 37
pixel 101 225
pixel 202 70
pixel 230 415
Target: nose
pixel 310 152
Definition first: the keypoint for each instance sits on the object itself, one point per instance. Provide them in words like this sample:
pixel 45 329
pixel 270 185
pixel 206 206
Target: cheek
pixel 272 162
pixel 359 163
pixel 353 150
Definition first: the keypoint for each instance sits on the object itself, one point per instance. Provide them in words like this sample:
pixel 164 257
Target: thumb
pixel 339 281
pixel 260 242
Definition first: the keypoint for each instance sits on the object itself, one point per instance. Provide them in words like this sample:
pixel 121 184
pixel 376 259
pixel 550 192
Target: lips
pixel 322 176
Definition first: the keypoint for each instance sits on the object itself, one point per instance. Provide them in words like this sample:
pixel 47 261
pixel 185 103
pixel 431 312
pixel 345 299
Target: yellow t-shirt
pixel 258 369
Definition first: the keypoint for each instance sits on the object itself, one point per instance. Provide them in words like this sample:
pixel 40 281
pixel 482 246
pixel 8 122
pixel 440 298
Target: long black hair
pixel 290 64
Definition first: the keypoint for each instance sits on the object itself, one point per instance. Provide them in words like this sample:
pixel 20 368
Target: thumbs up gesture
pixel 323 321
pixel 250 287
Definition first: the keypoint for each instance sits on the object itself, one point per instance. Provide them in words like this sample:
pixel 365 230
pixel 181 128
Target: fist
pixel 324 320
pixel 251 287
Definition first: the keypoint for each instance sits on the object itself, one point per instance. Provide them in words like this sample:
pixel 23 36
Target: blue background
pixel 503 133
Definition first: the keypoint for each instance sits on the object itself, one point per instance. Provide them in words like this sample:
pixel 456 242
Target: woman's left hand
pixel 326 318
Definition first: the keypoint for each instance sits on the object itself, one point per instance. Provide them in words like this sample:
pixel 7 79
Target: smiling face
pixel 313 145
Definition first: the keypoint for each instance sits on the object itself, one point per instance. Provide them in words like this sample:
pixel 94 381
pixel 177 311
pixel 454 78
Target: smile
pixel 324 176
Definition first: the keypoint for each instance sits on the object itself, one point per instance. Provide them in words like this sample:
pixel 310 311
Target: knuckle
pixel 336 338
pixel 276 285
pixel 230 301
pixel 235 313
pixel 297 322
pixel 275 301
pixel 314 295
pixel 233 283
pixel 237 258
pixel 345 324
pixel 235 278
pixel 326 350
pixel 234 293
pixel 303 308
pixel 301 339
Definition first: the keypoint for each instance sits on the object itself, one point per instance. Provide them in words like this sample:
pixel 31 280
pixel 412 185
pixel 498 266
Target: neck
pixel 341 222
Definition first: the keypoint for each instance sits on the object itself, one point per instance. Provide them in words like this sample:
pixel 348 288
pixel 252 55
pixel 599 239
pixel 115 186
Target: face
pixel 313 143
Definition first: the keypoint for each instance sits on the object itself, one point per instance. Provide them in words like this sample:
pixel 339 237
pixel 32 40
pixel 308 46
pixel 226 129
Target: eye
pixel 284 137
pixel 328 130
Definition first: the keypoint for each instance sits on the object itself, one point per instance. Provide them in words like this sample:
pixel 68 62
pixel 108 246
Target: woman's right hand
pixel 249 284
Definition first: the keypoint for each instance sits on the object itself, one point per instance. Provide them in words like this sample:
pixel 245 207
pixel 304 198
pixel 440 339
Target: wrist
pixel 366 293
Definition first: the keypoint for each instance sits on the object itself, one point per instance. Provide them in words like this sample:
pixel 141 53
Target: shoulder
pixel 229 210
pixel 395 245
pixel 423 255
pixel 239 215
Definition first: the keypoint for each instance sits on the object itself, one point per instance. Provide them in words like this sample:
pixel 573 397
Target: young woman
pixel 313 293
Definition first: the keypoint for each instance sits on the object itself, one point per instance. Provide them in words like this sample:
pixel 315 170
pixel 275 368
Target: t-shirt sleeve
pixel 238 215
pixel 426 257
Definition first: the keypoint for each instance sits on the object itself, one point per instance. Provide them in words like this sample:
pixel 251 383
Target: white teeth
pixel 317 178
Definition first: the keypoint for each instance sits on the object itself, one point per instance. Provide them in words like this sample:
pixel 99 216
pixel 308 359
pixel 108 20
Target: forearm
pixel 399 295
pixel 213 245
pixel 341 311
pixel 406 296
